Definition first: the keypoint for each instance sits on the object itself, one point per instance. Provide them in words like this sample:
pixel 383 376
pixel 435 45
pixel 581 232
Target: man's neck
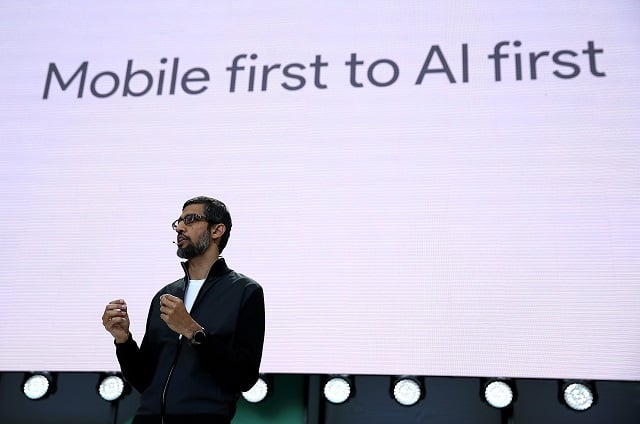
pixel 200 265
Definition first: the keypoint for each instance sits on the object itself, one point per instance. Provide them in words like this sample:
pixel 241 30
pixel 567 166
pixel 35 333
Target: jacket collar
pixel 218 268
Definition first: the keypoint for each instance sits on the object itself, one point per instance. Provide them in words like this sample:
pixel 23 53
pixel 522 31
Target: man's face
pixel 193 239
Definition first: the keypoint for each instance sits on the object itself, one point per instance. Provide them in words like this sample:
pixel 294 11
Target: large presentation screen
pixel 424 187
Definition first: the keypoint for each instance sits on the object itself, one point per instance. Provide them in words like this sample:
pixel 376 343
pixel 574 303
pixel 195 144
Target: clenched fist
pixel 116 320
pixel 175 315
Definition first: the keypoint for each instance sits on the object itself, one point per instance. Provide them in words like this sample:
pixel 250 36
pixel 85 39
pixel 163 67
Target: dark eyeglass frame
pixel 189 219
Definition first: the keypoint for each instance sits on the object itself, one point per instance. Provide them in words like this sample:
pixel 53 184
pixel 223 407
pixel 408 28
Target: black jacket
pixel 175 378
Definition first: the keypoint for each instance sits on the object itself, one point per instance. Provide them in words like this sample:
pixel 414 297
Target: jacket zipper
pixel 175 359
pixel 163 402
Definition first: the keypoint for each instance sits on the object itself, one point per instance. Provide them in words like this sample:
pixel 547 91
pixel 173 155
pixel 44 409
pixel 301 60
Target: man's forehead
pixel 193 208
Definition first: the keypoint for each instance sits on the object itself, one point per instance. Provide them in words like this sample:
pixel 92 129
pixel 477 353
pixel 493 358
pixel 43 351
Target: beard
pixel 195 249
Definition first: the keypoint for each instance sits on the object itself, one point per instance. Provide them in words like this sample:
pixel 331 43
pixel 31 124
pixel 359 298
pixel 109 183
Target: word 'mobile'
pixel 107 83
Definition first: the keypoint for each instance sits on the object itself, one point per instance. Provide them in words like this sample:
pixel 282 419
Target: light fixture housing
pixel 499 393
pixel 407 390
pixel 577 395
pixel 260 391
pixel 39 385
pixel 112 387
pixel 339 388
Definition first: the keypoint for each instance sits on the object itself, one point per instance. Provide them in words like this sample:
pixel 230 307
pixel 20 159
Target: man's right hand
pixel 116 320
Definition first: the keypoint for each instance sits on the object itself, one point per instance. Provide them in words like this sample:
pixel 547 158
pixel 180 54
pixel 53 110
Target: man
pixel 204 335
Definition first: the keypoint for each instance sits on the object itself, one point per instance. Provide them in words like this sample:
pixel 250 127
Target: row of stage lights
pixel 406 390
pixel 40 385
pixel 498 393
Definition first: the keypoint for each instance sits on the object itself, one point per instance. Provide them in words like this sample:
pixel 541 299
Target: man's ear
pixel 217 231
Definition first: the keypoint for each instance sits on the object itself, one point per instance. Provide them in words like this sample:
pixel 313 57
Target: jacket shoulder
pixel 244 287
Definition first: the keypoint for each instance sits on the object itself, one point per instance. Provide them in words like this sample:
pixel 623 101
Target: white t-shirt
pixel 192 292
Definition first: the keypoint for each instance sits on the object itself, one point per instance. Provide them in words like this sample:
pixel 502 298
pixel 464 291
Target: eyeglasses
pixel 188 220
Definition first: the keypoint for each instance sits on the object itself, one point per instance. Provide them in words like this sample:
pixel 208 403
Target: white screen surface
pixel 478 218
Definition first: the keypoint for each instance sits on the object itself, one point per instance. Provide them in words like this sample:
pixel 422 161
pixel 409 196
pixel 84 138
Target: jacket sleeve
pixel 136 366
pixel 236 365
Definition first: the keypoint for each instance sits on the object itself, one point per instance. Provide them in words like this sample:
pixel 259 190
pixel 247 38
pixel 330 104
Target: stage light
pixel 338 389
pixel 407 391
pixel 38 385
pixel 112 387
pixel 578 395
pixel 498 393
pixel 259 391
